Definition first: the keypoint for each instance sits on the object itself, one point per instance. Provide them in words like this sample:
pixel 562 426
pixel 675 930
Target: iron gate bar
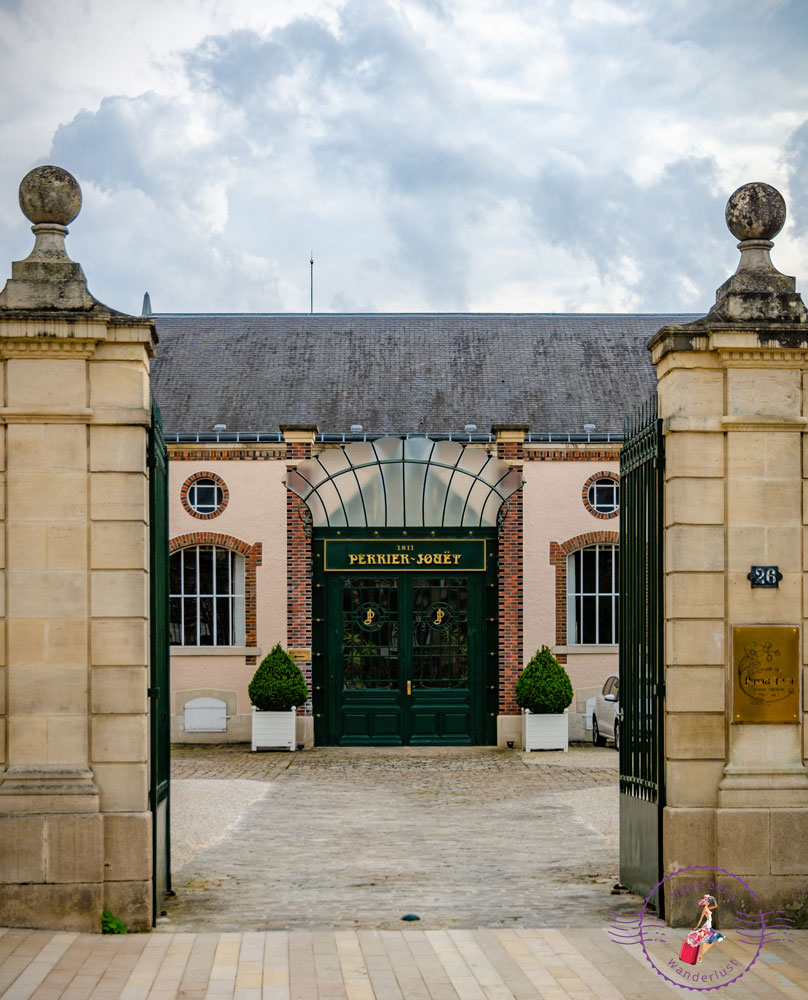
pixel 159 706
pixel 642 665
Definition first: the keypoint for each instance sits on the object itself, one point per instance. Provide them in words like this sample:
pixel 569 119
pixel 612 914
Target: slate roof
pixel 399 373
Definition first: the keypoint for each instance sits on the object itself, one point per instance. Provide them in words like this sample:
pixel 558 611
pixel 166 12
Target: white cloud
pixel 434 155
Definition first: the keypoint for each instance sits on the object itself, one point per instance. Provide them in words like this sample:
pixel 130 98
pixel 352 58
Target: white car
pixel 606 714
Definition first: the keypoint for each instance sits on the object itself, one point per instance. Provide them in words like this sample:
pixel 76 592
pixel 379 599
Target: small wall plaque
pixel 765 576
pixel 766 673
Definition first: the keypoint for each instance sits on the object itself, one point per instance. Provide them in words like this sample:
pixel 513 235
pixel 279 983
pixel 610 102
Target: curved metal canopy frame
pixel 413 482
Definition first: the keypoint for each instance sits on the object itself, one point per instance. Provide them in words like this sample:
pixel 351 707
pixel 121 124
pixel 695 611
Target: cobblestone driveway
pixel 356 838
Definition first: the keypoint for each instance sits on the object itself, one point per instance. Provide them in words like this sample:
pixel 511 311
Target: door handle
pixel 409 687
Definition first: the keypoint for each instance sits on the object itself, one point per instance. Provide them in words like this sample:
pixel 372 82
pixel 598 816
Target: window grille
pixel 207 597
pixel 592 595
pixel 604 496
pixel 205 496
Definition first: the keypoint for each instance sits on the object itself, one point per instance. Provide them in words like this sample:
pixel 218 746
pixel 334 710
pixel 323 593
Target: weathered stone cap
pixel 757 292
pixel 48 279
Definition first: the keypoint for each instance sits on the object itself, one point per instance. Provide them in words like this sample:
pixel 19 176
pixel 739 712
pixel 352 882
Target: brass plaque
pixel 299 655
pixel 766 673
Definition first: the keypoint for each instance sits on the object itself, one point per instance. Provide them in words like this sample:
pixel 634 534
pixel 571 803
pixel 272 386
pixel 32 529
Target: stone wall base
pixel 61 871
pixel 787 893
pixel 67 907
pixel 509 727
pixel 239 730
pixel 766 848
pixel 130 902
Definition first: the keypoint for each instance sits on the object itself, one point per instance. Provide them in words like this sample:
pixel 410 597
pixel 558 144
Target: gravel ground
pixel 356 837
pixel 598 808
pixel 204 809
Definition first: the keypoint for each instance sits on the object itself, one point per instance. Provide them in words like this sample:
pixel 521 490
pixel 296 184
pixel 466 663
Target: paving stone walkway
pixel 463 837
pixel 512 886
pixel 513 964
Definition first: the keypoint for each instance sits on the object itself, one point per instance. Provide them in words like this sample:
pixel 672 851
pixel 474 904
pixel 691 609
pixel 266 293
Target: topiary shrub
pixel 278 683
pixel 544 686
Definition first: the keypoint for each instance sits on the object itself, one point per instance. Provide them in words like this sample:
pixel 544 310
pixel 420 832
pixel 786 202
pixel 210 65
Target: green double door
pixel 404 658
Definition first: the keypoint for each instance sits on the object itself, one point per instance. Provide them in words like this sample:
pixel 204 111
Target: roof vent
pixel 356 428
pixel 220 427
pixel 469 428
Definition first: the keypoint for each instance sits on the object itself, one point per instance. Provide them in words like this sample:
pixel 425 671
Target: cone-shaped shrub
pixel 544 686
pixel 278 683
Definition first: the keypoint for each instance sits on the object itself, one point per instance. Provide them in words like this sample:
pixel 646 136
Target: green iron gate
pixel 159 652
pixel 642 664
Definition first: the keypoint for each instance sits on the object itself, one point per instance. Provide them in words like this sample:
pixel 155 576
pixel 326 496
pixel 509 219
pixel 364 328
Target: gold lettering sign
pixel 300 655
pixel 766 673
pixel 413 555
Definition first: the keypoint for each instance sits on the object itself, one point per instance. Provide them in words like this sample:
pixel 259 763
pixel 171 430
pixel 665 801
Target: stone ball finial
pixel 755 211
pixel 50 195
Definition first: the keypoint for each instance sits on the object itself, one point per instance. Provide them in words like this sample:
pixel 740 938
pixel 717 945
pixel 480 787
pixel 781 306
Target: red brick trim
pixel 186 486
pixel 180 454
pixel 585 495
pixel 298 566
pixel 558 558
pixel 252 560
pixel 511 589
pixel 572 455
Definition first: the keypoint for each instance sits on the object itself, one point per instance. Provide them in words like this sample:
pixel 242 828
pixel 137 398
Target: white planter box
pixel 545 732
pixel 274 729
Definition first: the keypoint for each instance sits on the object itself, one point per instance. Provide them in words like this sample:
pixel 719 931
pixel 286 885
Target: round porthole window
pixel 601 495
pixel 204 495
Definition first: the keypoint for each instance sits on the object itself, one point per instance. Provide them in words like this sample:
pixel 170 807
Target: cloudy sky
pixel 435 155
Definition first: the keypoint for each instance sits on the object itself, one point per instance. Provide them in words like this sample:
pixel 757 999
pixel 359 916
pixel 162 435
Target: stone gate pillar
pixel 733 395
pixel 75 827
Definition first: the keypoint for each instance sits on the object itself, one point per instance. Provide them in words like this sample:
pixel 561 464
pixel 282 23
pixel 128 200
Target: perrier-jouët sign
pixel 407 554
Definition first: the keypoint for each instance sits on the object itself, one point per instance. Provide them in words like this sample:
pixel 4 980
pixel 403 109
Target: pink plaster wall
pixel 223 673
pixel 554 511
pixel 256 512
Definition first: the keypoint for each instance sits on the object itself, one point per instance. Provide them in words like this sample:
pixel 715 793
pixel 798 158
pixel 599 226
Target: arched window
pixel 593 584
pixel 207 596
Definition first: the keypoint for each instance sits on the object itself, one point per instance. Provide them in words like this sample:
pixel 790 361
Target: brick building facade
pixel 251 402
